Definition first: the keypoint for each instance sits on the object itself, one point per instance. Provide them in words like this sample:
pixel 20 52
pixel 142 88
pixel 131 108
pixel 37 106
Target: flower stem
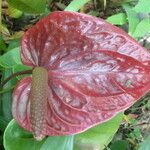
pixel 14 75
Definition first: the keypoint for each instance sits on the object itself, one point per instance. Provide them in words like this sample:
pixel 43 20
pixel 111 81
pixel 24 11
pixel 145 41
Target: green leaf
pixel 2 44
pixel 132 17
pixel 119 145
pixel 11 58
pixel 143 6
pixel 51 143
pixel 6 98
pixel 3 123
pixel 117 19
pixel 29 6
pixel 13 12
pixel 20 67
pixel 98 137
pixel 142 28
pixel 15 43
pixel 16 138
pixel 75 5
pixel 146 144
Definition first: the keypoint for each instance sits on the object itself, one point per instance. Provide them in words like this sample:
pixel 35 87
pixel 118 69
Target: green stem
pixel 14 75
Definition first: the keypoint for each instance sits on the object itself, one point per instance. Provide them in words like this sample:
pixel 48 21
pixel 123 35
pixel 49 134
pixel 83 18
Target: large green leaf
pixel 29 6
pixel 143 6
pixel 132 17
pixel 75 5
pixel 117 19
pixel 7 61
pixel 6 97
pixel 146 144
pixel 98 137
pixel 142 28
pixel 58 143
pixel 11 58
pixel 16 138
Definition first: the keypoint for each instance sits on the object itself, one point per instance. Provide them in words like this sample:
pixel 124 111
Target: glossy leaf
pixel 117 19
pixel 10 58
pixel 95 71
pixel 132 17
pixel 99 136
pixel 15 138
pixel 143 6
pixel 14 43
pixel 6 97
pixel 142 28
pixel 58 143
pixel 75 5
pixel 7 61
pixel 29 6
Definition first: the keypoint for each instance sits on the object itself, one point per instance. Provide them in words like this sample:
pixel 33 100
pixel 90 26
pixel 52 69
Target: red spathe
pixel 95 71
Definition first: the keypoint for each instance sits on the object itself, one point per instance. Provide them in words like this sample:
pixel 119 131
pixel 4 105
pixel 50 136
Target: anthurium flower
pixel 85 71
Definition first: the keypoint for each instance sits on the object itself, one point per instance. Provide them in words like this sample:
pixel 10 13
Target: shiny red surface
pixel 95 71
